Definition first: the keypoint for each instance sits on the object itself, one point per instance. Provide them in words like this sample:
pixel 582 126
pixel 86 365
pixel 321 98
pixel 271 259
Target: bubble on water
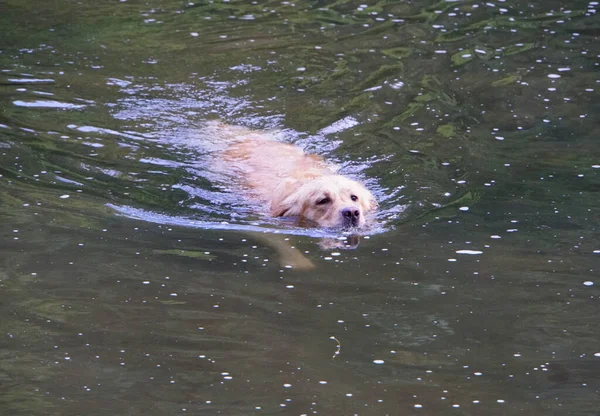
pixel 397 85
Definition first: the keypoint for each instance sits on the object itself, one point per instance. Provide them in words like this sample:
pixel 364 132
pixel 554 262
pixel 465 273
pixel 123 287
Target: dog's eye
pixel 323 201
pixel 354 198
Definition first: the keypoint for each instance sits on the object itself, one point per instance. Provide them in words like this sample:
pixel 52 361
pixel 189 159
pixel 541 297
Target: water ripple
pixel 48 104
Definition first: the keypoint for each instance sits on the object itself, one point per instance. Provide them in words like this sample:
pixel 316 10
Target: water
pixel 134 282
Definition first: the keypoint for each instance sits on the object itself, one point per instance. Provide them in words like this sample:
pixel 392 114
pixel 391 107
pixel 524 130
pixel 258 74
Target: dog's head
pixel 329 201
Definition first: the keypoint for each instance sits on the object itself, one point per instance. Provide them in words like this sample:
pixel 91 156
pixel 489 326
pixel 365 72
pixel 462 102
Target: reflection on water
pixel 134 282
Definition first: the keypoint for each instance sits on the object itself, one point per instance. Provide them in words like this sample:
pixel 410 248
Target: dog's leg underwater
pixel 288 255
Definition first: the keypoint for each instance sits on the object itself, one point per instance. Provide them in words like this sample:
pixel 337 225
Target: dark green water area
pixel 134 282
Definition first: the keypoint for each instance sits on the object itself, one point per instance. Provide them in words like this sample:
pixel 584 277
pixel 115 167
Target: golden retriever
pixel 292 183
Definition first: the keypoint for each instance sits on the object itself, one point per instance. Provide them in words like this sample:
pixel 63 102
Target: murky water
pixel 133 282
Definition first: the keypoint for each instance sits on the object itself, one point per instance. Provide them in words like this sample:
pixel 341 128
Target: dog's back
pixel 264 164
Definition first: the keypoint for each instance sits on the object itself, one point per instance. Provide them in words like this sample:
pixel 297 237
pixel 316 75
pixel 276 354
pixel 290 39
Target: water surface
pixel 132 278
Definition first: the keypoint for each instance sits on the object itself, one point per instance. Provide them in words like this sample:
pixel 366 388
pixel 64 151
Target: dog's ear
pixel 282 203
pixel 373 204
pixel 279 208
pixel 369 203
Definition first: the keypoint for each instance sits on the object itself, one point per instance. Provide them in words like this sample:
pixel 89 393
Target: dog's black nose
pixel 351 216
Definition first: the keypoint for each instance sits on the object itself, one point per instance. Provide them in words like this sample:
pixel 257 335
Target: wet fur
pixel 300 196
pixel 292 183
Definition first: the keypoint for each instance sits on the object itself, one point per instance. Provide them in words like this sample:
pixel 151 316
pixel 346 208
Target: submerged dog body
pixel 295 184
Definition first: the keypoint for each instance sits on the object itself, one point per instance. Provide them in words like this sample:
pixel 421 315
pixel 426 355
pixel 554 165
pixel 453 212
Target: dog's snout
pixel 351 216
pixel 350 212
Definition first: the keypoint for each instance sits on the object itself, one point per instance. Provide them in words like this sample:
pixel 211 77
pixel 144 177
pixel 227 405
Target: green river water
pixel 132 280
